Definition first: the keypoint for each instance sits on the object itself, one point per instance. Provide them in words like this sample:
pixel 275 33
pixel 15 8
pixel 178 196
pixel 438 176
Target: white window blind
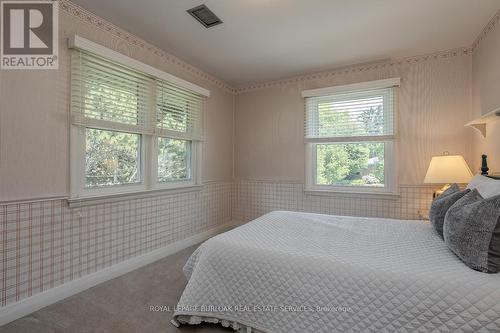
pixel 179 112
pixel 363 114
pixel 108 95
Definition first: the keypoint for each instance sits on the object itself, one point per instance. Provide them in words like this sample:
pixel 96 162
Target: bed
pixel 303 272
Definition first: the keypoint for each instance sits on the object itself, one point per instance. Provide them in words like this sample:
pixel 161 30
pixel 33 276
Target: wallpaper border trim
pixel 89 17
pixel 463 51
pixel 486 30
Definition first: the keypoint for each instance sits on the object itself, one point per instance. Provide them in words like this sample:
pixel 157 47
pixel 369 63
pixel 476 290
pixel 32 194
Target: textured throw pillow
pixel 472 231
pixel 487 187
pixel 441 204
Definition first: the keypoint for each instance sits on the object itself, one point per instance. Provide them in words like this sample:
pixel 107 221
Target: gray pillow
pixel 450 190
pixel 441 204
pixel 472 231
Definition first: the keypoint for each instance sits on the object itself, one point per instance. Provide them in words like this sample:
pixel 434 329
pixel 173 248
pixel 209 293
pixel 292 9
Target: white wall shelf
pixel 481 124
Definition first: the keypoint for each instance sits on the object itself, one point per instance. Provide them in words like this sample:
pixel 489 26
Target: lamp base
pixel 437 193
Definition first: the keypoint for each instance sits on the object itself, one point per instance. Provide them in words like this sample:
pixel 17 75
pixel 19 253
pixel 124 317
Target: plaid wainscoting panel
pixel 45 244
pixel 254 198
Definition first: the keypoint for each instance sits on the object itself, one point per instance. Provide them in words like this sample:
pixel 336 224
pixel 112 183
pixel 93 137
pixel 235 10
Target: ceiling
pixel 263 40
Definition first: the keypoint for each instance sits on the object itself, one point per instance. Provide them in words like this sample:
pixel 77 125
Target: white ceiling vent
pixel 205 16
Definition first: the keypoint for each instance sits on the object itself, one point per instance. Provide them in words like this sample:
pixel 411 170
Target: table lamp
pixel 447 169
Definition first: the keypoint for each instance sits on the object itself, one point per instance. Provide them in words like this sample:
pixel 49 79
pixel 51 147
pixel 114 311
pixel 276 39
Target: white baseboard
pixel 26 306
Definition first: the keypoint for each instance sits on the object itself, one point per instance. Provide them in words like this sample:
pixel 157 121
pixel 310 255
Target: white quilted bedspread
pixel 300 272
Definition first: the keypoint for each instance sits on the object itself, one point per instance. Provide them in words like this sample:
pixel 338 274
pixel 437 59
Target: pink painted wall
pixel 34 112
pixel 45 243
pixel 434 105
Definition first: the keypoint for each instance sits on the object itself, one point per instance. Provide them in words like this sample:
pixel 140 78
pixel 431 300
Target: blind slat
pixel 105 94
pixel 179 111
pixel 367 113
pixel 110 93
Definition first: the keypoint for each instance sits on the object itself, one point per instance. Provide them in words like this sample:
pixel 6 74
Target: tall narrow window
pixel 110 104
pixel 178 128
pixel 131 131
pixel 350 138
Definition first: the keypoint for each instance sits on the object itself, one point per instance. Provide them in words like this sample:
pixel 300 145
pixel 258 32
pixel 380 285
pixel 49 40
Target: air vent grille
pixel 205 16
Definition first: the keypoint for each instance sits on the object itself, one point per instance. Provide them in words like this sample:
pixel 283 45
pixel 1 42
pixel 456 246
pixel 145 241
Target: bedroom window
pixel 111 158
pixel 179 127
pixel 174 160
pixel 350 134
pixel 131 131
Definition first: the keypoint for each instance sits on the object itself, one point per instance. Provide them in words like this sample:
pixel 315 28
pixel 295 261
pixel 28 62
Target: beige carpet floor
pixel 119 305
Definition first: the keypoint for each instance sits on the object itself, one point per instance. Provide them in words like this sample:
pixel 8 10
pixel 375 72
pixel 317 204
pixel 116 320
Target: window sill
pixel 115 197
pixel 352 194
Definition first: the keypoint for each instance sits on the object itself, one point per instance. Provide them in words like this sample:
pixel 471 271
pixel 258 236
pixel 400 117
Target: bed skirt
pixel 196 320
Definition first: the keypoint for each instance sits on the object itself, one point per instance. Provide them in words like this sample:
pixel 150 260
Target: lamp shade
pixel 448 169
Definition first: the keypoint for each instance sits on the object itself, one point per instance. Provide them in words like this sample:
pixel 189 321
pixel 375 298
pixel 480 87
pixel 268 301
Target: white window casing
pixel 334 115
pixel 112 92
